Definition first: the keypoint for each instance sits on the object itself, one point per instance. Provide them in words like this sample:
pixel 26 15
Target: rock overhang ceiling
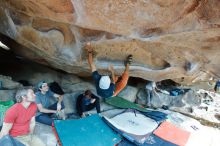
pixel 169 39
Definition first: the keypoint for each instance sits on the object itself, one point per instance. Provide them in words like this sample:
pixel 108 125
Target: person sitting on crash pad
pixel 45 108
pixel 104 86
pixel 86 102
pixel 19 121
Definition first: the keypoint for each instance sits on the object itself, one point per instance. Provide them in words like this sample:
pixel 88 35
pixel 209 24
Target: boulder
pixel 7 95
pixel 169 39
pixel 129 93
pixel 141 97
pixel 7 83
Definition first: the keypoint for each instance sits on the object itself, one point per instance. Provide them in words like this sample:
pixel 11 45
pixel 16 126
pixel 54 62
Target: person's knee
pixel 123 82
pixel 44 119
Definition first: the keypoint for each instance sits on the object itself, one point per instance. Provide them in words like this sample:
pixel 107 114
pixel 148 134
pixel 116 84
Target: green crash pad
pixel 4 106
pixel 123 103
pixel 89 131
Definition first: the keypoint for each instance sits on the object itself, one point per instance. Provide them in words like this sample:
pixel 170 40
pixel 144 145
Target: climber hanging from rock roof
pixel 104 86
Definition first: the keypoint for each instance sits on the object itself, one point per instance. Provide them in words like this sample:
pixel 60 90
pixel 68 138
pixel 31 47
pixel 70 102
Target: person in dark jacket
pixel 86 102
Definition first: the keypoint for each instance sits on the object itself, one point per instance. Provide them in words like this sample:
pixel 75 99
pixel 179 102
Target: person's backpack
pixel 217 86
pixel 55 87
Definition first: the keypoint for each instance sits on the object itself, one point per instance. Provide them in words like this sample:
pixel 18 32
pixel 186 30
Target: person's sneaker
pixel 100 114
pixel 61 115
pixel 129 59
pixel 165 107
pixel 87 114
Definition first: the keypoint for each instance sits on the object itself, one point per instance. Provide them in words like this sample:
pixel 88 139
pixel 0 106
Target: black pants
pixel 89 107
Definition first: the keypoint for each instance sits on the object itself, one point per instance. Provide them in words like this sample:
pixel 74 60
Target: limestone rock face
pixel 169 39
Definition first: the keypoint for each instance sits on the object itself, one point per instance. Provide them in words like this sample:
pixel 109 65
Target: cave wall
pixel 169 39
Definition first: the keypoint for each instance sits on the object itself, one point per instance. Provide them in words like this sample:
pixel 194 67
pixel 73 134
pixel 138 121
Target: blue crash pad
pixel 89 131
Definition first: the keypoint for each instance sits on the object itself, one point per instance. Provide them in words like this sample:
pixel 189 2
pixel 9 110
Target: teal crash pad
pixel 123 103
pixel 89 131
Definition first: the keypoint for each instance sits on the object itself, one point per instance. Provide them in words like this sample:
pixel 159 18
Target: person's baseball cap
pixel 39 85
